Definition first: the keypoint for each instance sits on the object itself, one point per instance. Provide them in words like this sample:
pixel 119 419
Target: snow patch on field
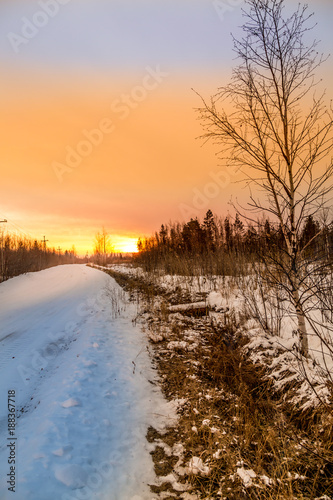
pixel 197 467
pixel 246 476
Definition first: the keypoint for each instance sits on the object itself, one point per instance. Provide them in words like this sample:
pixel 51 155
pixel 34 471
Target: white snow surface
pixel 80 371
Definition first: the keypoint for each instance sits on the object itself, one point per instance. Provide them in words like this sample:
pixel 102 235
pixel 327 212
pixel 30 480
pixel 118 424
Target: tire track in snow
pixel 94 410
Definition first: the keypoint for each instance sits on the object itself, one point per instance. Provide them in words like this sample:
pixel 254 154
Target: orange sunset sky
pixel 127 69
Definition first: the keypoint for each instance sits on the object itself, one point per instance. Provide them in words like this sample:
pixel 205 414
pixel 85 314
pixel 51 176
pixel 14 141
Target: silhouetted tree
pixel 209 231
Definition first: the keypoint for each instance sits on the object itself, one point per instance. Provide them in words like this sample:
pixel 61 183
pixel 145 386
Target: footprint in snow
pixel 71 475
pixel 70 403
pixel 89 363
pixel 60 452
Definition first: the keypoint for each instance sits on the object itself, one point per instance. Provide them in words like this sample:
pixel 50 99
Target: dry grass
pixel 220 263
pixel 230 418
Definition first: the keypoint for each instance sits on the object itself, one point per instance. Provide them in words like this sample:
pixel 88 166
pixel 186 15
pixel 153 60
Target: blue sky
pixel 126 35
pixel 106 35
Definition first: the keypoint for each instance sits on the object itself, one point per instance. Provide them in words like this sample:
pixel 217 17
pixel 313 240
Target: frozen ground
pixel 232 299
pixel 81 375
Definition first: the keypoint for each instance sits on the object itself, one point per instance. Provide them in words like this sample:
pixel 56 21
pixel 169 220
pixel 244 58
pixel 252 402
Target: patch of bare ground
pixel 235 438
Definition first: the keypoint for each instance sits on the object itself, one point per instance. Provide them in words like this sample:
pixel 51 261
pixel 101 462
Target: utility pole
pixel 44 249
pixel 44 242
pixel 2 256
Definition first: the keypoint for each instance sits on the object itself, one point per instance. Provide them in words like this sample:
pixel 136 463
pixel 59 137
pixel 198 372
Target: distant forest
pixel 225 246
pixel 19 255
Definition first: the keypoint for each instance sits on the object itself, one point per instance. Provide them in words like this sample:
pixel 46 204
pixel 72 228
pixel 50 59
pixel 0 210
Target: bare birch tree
pixel 102 246
pixel 279 132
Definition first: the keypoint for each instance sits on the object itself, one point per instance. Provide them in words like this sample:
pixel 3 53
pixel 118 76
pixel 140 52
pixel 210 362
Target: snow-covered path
pixel 80 371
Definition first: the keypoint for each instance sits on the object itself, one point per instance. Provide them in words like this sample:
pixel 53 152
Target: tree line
pixel 19 255
pixel 225 245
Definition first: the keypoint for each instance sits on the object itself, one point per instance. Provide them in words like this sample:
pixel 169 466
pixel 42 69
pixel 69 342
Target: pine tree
pixel 209 230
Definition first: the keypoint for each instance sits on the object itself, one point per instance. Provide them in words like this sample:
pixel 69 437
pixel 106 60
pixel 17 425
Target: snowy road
pixel 80 371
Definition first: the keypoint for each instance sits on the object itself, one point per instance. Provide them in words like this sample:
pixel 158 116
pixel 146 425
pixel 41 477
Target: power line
pixel 17 227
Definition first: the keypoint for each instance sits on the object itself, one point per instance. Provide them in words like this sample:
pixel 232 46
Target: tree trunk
pixel 303 336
